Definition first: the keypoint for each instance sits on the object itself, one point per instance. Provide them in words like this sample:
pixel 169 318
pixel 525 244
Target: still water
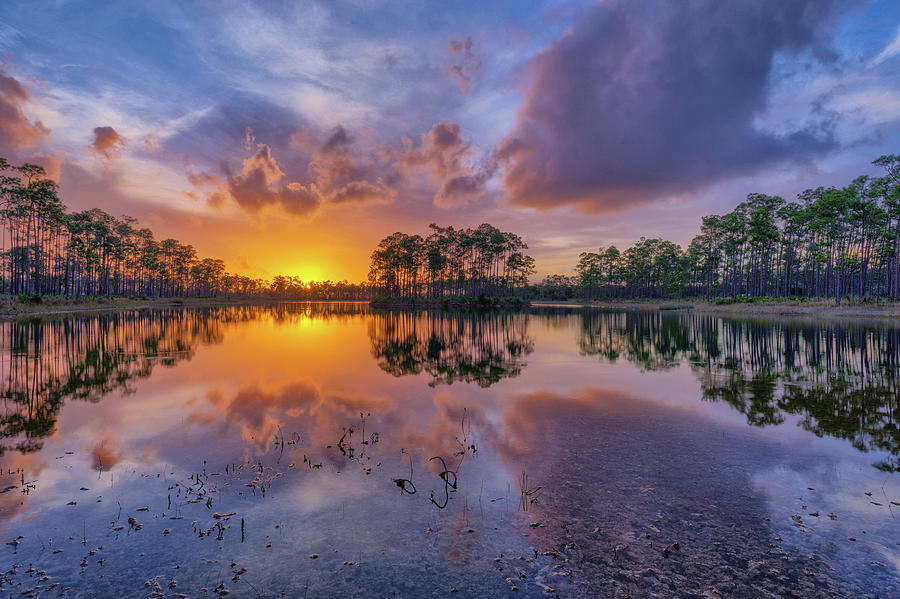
pixel 316 450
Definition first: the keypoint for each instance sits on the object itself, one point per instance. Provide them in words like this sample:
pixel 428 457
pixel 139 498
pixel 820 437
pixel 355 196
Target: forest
pixel 830 243
pixel 449 262
pixel 836 243
pixel 47 250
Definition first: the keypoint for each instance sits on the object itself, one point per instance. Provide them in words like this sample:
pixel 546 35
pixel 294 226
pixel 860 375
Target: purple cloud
pixel 641 99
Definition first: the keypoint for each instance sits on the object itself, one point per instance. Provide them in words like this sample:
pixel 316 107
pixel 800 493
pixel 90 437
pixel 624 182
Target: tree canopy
pixel 831 242
pixel 451 263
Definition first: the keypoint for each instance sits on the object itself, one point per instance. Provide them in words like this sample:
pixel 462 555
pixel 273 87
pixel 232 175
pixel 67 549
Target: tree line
pixel 483 261
pixel 829 243
pixel 46 249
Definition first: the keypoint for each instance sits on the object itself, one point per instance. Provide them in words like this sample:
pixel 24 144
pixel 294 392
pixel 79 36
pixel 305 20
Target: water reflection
pixel 640 501
pixel 283 438
pixel 839 378
pixel 86 358
pixel 481 348
pixel 89 357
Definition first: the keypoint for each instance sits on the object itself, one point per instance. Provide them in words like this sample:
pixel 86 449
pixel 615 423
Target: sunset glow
pixel 449 298
pixel 289 139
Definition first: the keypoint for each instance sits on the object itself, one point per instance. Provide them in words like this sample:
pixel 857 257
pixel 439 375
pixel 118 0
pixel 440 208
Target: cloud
pixel 343 172
pixel 640 99
pixel 16 129
pixel 259 185
pixel 452 162
pixel 152 144
pixel 52 163
pixel 443 147
pixel 891 50
pixel 263 162
pixel 468 64
pixel 202 179
pixel 460 189
pixel 107 143
pixel 335 162
pixel 361 192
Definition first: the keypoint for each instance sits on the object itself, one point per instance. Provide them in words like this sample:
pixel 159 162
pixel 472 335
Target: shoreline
pixel 12 309
pixel 450 303
pixel 812 308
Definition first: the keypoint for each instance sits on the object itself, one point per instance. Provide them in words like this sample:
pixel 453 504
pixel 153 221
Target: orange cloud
pixel 52 163
pixel 107 143
pixel 16 130
pixel 343 173
pixel 259 185
pixel 263 162
pixel 202 179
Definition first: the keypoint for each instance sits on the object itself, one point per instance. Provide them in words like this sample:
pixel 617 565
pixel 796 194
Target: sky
pixel 290 137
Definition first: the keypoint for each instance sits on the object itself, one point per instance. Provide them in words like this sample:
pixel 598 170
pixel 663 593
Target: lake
pixel 326 450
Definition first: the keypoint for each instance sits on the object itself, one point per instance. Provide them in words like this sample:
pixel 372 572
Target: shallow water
pixel 315 450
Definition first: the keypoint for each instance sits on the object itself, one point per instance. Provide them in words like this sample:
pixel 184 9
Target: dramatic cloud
pixel 643 98
pixel 336 163
pixel 16 130
pixel 107 143
pixel 453 164
pixel 596 105
pixel 264 163
pixel 460 189
pixel 343 172
pixel 260 185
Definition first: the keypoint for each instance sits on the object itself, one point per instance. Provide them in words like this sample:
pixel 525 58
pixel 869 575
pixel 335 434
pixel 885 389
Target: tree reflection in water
pixel 45 362
pixel 479 347
pixel 839 378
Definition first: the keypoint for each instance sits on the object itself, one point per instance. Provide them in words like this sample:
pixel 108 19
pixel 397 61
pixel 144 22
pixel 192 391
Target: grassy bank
pixel 21 307
pixel 17 307
pixel 755 306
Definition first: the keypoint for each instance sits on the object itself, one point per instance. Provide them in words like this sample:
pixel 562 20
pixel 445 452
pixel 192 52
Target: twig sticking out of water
pixel 528 494
pixel 448 483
